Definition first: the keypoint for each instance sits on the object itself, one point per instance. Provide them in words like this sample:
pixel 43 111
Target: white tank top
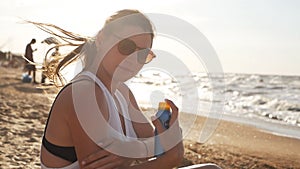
pixel 114 118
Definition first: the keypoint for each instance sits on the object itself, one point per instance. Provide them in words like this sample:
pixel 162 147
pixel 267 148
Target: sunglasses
pixel 128 46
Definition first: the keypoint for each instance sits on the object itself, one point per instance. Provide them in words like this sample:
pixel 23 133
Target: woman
pixel 75 135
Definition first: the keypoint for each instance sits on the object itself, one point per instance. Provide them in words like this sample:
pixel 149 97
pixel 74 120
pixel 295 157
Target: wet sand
pixel 24 110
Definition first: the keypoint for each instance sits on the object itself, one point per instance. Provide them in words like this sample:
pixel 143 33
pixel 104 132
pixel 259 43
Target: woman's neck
pixel 99 70
pixel 106 79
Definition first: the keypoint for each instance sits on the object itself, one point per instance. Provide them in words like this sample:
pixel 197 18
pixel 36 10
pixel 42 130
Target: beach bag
pixel 26 78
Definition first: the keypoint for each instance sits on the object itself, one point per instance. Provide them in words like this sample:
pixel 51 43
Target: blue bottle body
pixel 164 118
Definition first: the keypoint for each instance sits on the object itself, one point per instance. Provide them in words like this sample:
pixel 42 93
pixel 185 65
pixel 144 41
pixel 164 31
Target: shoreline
pixel 275 127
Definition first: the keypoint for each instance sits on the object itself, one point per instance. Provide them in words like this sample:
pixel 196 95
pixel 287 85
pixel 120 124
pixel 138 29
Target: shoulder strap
pixel 114 119
pixel 128 123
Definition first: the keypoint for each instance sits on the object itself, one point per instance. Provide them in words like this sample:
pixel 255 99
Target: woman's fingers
pixel 174 108
pixel 159 127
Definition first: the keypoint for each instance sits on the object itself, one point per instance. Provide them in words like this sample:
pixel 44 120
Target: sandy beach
pixel 24 109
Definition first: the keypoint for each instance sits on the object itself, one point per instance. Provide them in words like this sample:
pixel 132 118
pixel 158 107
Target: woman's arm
pixel 88 125
pixel 170 159
pixel 90 130
pixel 83 144
pixel 171 140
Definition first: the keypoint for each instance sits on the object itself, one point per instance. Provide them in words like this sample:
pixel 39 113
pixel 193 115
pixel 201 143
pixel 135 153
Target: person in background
pixel 29 55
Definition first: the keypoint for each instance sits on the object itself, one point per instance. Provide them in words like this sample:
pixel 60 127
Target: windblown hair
pixel 85 46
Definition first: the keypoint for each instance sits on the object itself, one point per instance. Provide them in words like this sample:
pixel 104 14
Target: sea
pixel 267 102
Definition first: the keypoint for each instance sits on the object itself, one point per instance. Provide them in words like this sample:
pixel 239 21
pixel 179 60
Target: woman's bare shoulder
pixel 81 93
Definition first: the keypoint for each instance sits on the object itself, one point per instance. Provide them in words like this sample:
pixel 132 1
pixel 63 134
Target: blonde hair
pixel 85 46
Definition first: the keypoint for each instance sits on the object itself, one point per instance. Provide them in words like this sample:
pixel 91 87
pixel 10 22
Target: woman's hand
pixel 171 139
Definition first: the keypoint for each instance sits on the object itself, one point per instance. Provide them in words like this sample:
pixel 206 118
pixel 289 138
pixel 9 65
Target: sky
pixel 249 36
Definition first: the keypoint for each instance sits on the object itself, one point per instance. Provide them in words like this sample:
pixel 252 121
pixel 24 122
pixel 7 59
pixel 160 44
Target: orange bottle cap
pixel 163 106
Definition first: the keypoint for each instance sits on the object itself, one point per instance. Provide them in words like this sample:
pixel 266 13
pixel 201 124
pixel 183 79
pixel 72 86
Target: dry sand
pixel 24 109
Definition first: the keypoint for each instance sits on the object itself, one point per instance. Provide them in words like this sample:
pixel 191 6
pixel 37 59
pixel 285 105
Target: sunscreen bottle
pixel 164 115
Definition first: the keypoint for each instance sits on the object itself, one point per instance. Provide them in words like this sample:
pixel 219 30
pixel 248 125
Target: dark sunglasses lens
pixel 142 55
pixel 126 47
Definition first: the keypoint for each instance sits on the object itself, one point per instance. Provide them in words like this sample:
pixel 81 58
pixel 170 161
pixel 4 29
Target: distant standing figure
pixel 29 55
